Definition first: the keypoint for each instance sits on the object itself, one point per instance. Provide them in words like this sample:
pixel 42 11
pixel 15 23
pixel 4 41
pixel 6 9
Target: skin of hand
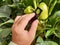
pixel 21 36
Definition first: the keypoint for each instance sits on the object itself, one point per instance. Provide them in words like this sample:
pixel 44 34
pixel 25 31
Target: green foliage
pixel 5 11
pixel 41 42
pixel 48 32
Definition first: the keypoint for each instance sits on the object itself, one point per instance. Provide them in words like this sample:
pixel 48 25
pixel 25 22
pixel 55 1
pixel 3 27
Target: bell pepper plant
pixel 48 11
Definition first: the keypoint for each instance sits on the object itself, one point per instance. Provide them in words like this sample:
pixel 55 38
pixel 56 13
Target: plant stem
pixel 56 22
pixel 35 4
pixel 52 7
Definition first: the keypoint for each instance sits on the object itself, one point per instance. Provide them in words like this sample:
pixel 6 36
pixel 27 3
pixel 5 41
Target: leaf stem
pixel 35 4
pixel 52 7
pixel 56 22
pixel 9 21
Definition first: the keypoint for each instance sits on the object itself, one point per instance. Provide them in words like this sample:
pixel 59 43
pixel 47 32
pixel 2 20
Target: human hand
pixel 21 36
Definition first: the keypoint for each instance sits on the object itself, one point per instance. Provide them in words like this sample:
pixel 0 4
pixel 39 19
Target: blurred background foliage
pixel 48 32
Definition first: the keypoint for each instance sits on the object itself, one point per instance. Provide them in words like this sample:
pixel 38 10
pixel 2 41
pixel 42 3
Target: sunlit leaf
pixel 39 39
pixel 49 32
pixel 47 43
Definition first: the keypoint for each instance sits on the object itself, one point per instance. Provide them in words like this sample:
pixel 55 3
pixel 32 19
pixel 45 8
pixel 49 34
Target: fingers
pixel 24 21
pixel 33 28
pixel 17 19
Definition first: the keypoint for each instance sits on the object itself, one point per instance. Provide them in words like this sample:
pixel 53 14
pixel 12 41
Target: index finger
pixel 24 21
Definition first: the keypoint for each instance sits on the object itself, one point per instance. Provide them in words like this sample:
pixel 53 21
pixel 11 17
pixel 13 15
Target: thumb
pixel 33 28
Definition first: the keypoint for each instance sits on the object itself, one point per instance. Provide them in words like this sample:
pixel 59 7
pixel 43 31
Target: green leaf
pixel 42 43
pixel 5 33
pixel 54 18
pixel 57 13
pixel 0 43
pixel 13 5
pixel 56 8
pixel 35 4
pixel 5 11
pixel 55 21
pixel 4 15
pixel 58 1
pixel 4 42
pixel 57 32
pixel 39 39
pixel 0 29
pixel 47 43
pixel 51 43
pixel 17 7
pixel 49 32
pixel 48 2
pixel 9 21
pixel 38 2
pixel 52 7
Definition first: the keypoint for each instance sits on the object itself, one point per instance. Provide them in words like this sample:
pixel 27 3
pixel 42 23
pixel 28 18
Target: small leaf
pixel 57 32
pixel 51 43
pixel 5 32
pixel 39 39
pixel 5 11
pixel 4 15
pixel 57 13
pixel 49 32
pixel 52 6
